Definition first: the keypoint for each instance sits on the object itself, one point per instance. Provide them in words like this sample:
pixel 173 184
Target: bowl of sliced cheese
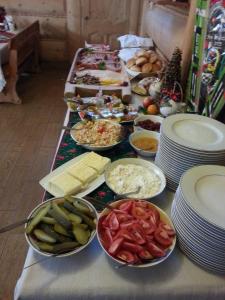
pixel 79 176
pixel 61 226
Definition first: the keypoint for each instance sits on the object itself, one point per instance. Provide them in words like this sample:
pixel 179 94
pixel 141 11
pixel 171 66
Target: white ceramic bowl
pixel 153 118
pixel 163 216
pixel 29 238
pixel 140 162
pixel 92 147
pixel 141 134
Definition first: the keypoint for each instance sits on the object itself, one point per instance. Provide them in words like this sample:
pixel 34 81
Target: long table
pixel 92 275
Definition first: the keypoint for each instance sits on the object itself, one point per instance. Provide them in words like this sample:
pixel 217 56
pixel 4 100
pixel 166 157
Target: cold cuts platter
pixel 93 70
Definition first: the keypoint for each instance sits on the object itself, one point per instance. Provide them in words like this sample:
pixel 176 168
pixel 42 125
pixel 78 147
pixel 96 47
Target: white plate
pixel 140 162
pixel 195 219
pixel 195 131
pixel 44 182
pixel 204 189
pixel 197 237
pixel 92 147
pixel 189 151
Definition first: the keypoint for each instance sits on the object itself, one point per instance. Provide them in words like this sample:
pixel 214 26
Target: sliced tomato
pixel 128 224
pixel 155 250
pixel 106 238
pixel 104 221
pixel 126 256
pixel 139 212
pixel 154 215
pixel 147 226
pixel 145 254
pixel 114 247
pixel 126 206
pixel 162 237
pixel 125 234
pixel 137 234
pixel 124 217
pixel 141 203
pixel 149 237
pixel 132 247
pixel 113 222
pixel 167 228
pixel 101 129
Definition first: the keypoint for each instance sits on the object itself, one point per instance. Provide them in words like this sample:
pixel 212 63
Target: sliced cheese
pixel 82 172
pixel 65 184
pixel 95 161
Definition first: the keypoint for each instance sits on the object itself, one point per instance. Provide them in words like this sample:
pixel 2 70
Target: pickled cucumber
pixel 50 231
pixel 37 218
pixel 48 220
pixel 60 216
pixel 74 218
pixel 44 237
pixel 64 247
pixel 61 226
pixel 64 210
pixel 60 229
pixel 74 210
pixel 81 235
pixel 43 246
pixel 82 208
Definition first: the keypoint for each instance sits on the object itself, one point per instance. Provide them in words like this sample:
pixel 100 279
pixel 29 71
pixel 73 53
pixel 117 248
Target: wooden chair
pixel 24 49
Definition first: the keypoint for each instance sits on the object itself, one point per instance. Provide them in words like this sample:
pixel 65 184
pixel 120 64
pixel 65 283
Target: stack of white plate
pixel 188 140
pixel 198 214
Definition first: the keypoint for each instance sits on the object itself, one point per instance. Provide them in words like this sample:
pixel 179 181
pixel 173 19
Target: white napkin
pixel 130 40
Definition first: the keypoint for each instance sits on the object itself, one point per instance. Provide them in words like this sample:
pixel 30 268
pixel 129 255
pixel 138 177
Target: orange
pixel 152 109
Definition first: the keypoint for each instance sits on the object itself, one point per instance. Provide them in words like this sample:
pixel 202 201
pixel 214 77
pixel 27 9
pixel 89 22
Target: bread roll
pixel 140 53
pixel 141 61
pixel 147 55
pixel 146 68
pixel 131 62
pixel 155 68
pixel 159 63
pixel 135 68
pixel 153 58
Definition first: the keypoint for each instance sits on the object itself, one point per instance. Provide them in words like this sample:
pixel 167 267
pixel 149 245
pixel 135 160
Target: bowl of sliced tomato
pixel 136 233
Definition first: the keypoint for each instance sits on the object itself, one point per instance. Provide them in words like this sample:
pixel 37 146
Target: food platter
pixel 88 80
pixel 45 182
pixel 108 107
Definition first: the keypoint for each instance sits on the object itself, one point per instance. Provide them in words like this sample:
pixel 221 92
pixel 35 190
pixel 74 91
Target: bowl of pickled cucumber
pixel 61 226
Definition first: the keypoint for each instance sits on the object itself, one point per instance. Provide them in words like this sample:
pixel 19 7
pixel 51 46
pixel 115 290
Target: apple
pixel 147 101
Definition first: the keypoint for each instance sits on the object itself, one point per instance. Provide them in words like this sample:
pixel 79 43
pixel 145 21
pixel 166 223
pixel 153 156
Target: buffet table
pixel 92 275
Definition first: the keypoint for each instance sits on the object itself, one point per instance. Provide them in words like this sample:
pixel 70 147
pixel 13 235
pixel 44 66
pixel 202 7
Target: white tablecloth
pixel 92 275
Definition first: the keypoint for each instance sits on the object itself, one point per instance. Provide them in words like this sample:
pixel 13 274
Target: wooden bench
pixel 23 50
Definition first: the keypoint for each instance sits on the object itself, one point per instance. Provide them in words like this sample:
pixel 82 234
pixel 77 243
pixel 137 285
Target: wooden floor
pixel 28 139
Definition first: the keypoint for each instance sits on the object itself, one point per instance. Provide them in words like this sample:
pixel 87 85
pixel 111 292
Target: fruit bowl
pixel 61 227
pixel 136 233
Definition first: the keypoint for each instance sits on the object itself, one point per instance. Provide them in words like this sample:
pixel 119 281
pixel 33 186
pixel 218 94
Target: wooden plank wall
pixel 53 24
